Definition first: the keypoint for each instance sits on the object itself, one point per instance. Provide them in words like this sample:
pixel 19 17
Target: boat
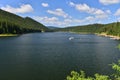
pixel 71 38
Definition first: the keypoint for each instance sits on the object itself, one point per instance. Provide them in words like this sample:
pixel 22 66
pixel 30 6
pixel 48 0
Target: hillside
pixel 52 27
pixel 92 28
pixel 11 23
pixel 109 29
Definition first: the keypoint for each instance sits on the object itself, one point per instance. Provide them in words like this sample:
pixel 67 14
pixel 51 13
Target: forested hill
pixel 110 29
pixel 91 28
pixel 14 24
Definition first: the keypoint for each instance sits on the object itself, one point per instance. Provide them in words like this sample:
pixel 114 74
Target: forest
pixel 110 29
pixel 14 24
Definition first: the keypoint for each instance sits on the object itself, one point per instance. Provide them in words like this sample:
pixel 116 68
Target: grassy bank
pixel 7 35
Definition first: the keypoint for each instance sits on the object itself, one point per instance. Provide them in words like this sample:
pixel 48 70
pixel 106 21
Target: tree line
pixel 110 29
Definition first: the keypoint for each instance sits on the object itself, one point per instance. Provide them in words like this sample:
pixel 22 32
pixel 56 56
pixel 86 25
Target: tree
pixel 116 67
pixel 81 76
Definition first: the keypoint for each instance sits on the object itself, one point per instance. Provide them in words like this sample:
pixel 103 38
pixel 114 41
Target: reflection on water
pixel 51 56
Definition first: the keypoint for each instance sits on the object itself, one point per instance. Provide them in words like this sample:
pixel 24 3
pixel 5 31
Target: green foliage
pixel 11 23
pixel 110 29
pixel 78 76
pixel 101 77
pixel 92 28
pixel 116 67
pixel 81 76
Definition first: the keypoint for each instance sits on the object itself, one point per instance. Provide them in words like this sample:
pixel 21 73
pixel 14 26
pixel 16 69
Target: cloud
pixel 90 10
pixel 58 12
pixel 95 15
pixel 51 21
pixel 71 3
pixel 89 18
pixel 82 7
pixel 46 19
pixel 117 13
pixel 45 4
pixel 108 11
pixel 108 2
pixel 24 8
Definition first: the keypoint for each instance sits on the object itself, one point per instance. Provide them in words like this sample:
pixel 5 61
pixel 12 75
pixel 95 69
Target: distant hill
pixel 12 23
pixel 110 29
pixel 52 27
pixel 91 28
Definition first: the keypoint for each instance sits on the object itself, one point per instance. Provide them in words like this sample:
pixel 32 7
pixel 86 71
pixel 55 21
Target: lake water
pixel 52 56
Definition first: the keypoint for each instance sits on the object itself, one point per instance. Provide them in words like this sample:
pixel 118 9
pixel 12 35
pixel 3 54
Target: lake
pixel 52 56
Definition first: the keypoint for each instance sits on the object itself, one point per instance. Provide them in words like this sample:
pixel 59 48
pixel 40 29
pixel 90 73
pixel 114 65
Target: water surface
pixel 52 56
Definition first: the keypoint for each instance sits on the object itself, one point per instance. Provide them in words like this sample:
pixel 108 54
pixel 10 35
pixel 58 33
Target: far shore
pixel 82 32
pixel 110 36
pixel 8 35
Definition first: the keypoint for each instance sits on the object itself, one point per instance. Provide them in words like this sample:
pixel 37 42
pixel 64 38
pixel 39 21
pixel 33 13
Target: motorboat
pixel 71 38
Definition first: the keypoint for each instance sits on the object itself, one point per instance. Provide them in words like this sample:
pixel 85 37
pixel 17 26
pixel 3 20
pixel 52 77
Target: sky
pixel 64 13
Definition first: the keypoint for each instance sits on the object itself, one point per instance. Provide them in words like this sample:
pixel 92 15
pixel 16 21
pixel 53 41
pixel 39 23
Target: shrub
pixel 81 75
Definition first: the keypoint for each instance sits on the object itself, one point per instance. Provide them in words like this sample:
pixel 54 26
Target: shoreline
pixel 82 32
pixel 8 35
pixel 110 36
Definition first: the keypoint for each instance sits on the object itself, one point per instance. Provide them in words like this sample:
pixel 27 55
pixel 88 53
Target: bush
pixel 81 76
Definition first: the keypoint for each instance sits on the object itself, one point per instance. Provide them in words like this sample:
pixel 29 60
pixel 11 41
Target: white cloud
pixel 94 15
pixel 58 12
pixel 66 22
pixel 108 2
pixel 98 12
pixel 108 11
pixel 117 13
pixel 90 10
pixel 71 3
pixel 46 19
pixel 51 21
pixel 45 4
pixel 82 7
pixel 89 18
pixel 101 17
pixel 25 8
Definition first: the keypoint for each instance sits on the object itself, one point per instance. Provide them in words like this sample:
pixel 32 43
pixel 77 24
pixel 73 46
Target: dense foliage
pixel 81 76
pixel 111 29
pixel 11 23
pixel 92 28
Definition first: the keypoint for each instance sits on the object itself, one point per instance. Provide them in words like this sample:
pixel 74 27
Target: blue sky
pixel 64 13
